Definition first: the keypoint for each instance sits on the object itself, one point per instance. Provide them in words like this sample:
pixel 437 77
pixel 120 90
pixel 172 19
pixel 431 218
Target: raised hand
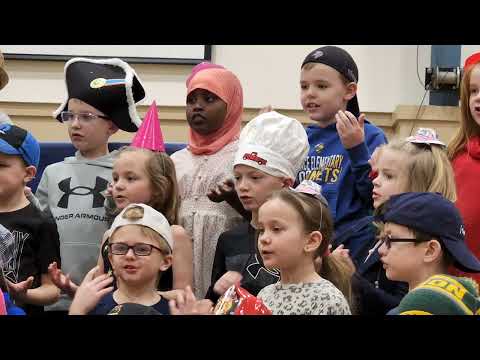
pixel 222 192
pixel 228 279
pixel 62 281
pixel 187 304
pixel 350 130
pixel 265 109
pixel 90 292
pixel 18 291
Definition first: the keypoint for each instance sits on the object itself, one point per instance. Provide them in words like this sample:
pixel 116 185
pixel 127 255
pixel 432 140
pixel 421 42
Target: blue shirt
pixel 107 303
pixel 12 309
pixel 343 174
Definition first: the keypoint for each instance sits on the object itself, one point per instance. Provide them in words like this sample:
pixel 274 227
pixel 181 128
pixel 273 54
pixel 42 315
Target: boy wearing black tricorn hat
pixel 101 98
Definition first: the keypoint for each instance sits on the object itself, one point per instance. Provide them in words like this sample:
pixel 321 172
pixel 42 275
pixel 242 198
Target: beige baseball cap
pixel 151 218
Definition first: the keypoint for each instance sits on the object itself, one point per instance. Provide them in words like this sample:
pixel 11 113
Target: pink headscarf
pixel 202 66
pixel 227 87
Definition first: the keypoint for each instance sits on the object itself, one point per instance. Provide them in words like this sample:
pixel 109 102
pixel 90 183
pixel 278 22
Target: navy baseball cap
pixel 341 61
pixel 432 214
pixel 16 141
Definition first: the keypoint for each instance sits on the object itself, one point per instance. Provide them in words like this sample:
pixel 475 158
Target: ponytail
pixel 339 273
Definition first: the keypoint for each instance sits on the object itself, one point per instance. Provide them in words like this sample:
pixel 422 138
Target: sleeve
pixel 33 199
pixel 42 194
pixel 359 156
pixel 372 298
pixel 219 268
pixel 49 245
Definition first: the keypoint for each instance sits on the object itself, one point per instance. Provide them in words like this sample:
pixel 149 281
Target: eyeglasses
pixel 139 249
pixel 388 240
pixel 85 118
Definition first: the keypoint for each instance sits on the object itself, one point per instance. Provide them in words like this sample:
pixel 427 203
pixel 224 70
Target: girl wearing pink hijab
pixel 214 110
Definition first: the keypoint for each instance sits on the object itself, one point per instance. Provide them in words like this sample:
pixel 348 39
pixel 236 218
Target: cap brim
pixel 463 257
pixel 6 148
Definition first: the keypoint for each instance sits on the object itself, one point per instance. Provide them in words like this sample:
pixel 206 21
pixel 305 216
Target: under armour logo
pixel 98 199
pixel 317 54
pixel 254 269
pixel 462 230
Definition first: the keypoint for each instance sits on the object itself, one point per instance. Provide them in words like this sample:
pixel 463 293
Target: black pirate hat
pixel 109 85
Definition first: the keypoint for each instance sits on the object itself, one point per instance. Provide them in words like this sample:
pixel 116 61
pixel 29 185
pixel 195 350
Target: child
pixel 418 163
pixel 140 247
pixel 263 163
pixel 101 97
pixel 36 237
pixel 442 295
pixel 144 176
pixel 294 229
pixel 341 143
pixel 464 152
pixel 214 111
pixel 144 173
pixel 423 236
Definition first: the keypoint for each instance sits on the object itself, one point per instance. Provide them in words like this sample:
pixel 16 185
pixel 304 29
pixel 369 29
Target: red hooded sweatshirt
pixel 466 167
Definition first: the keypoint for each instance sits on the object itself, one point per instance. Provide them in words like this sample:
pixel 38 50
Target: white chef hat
pixel 273 143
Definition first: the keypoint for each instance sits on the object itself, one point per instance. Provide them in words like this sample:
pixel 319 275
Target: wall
pixel 269 75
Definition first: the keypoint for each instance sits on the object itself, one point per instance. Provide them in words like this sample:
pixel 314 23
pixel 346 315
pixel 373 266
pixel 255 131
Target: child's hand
pixel 90 291
pixel 187 304
pixel 108 192
pixel 265 109
pixel 350 129
pixel 222 192
pixel 62 281
pixel 19 290
pixel 343 255
pixel 172 294
pixel 373 163
pixel 228 279
pixel 27 191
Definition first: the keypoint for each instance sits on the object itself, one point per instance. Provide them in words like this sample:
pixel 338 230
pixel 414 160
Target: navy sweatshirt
pixel 343 175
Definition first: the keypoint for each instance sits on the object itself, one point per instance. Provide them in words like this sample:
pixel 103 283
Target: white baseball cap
pixel 151 218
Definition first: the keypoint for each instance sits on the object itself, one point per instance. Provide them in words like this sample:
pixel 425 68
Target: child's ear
pixel 112 129
pixel 30 172
pixel 287 182
pixel 166 263
pixel 433 251
pixel 313 242
pixel 351 91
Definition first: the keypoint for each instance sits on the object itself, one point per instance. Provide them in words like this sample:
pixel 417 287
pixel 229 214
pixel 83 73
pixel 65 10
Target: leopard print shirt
pixel 319 298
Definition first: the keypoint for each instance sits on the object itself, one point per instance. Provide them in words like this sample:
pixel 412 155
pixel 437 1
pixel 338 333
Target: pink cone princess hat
pixel 149 135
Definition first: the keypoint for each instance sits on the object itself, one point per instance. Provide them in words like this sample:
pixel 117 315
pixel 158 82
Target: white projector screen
pixel 172 54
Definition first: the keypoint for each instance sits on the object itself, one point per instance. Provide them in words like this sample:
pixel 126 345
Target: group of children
pixel 328 219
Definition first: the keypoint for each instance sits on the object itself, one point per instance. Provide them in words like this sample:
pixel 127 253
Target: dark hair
pixel 447 258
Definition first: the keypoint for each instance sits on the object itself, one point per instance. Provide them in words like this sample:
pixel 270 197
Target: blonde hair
pixel 311 65
pixel 136 214
pixel 316 217
pixel 161 172
pixel 468 126
pixel 428 168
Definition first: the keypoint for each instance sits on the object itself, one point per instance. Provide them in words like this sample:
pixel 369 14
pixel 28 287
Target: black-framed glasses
pixel 388 240
pixel 84 117
pixel 139 249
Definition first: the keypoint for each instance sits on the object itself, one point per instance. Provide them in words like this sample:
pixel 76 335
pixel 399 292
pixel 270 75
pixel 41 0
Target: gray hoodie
pixel 71 192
